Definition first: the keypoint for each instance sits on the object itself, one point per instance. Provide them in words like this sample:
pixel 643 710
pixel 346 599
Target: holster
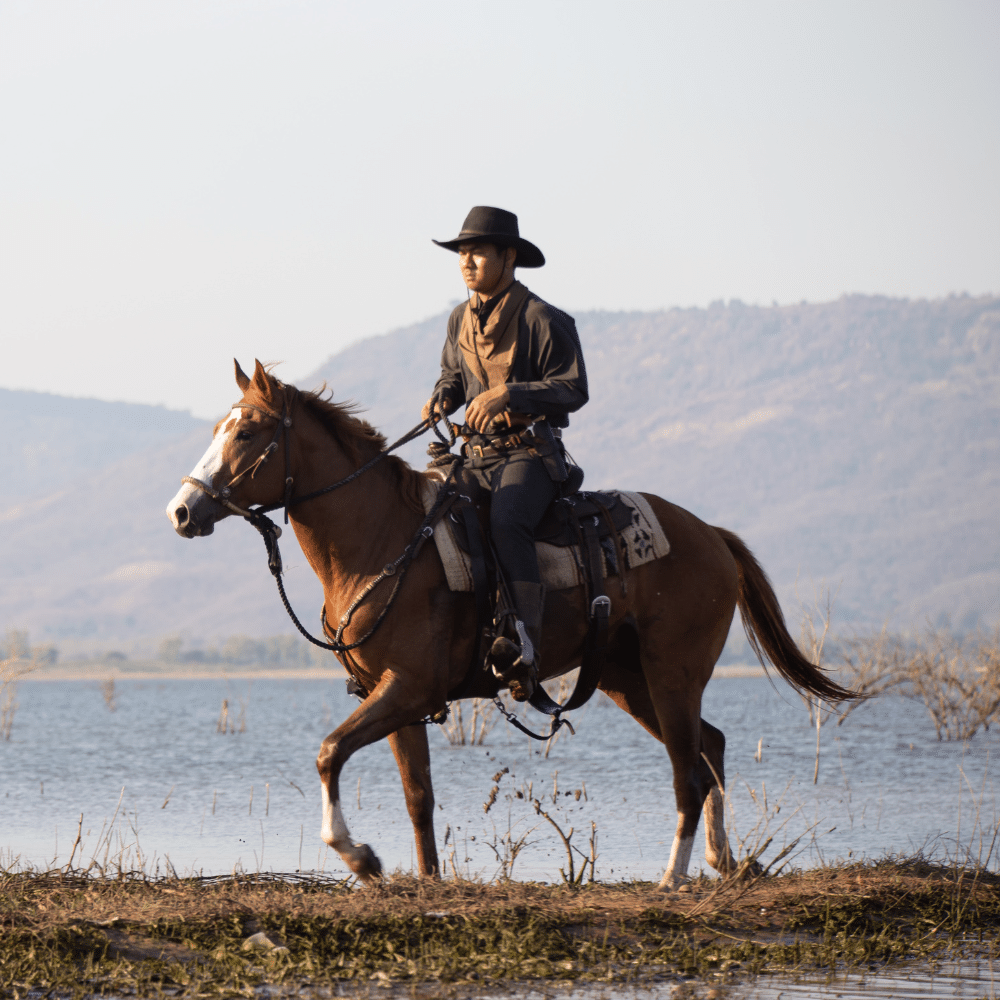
pixel 549 450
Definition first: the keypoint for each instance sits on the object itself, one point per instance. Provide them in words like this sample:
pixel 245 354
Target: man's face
pixel 482 266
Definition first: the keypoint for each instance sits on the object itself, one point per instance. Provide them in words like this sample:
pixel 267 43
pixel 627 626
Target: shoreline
pixel 419 937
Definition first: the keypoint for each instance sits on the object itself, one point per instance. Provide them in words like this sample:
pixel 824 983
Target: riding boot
pixel 521 675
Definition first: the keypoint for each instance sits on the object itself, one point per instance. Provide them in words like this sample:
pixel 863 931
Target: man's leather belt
pixel 499 448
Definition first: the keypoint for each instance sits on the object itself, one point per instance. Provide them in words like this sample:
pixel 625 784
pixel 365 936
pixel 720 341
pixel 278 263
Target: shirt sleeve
pixel 557 382
pixel 451 384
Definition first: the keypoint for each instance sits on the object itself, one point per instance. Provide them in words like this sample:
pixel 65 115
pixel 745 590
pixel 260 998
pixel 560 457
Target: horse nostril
pixel 181 515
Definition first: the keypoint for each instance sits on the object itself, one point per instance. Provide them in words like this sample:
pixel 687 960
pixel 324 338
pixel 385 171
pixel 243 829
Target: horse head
pixel 235 472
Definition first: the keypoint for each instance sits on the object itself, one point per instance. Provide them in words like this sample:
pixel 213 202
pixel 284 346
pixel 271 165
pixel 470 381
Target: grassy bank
pixel 224 936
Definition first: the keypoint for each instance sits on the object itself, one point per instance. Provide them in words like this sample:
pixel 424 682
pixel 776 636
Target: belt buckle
pixel 477 451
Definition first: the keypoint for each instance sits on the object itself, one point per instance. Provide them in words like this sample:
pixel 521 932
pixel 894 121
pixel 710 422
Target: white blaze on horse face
pixel 208 467
pixel 211 462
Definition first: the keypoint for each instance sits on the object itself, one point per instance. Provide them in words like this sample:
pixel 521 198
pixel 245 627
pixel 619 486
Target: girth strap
pixel 484 604
pixel 596 642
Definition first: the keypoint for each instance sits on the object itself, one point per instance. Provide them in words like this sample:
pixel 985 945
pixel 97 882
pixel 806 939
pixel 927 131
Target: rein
pixel 270 532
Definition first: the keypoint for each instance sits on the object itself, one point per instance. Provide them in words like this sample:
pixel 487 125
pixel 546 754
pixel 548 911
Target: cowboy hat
pixel 494 225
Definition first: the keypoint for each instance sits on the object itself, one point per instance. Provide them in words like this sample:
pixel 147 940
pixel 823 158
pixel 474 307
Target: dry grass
pixel 46 900
pixel 69 933
pixel 473 728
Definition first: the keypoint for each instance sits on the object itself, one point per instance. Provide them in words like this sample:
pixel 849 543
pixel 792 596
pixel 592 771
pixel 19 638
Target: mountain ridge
pixel 855 443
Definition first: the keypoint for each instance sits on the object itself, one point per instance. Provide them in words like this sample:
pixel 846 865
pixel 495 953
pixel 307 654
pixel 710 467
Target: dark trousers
pixel 522 491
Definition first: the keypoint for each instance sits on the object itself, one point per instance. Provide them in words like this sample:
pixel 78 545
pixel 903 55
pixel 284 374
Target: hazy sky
pixel 181 182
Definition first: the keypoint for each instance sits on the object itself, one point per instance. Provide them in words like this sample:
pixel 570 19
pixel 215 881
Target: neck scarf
pixel 489 348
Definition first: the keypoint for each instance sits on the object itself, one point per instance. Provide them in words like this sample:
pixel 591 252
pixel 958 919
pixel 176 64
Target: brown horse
pixel 669 621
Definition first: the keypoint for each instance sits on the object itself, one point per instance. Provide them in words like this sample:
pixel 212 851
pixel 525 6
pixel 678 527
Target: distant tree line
pixel 16 645
pixel 243 650
pixel 275 650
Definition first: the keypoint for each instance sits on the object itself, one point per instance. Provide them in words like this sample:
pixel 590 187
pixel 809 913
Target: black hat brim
pixel 528 255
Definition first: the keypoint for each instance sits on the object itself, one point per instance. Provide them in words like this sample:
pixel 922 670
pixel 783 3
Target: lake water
pixel 206 802
pixel 969 980
pixel 201 801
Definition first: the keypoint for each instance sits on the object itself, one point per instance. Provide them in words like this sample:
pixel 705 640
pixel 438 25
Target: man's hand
pixel 482 411
pixel 425 413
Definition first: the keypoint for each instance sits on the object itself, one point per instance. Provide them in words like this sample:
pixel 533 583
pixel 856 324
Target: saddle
pixel 563 521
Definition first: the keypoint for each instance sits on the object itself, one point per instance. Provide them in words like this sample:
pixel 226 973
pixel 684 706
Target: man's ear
pixel 242 379
pixel 510 257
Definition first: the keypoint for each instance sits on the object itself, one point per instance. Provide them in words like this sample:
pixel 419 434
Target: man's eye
pixel 244 435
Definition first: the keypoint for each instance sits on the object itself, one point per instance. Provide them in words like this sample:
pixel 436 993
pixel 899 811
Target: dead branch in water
pixel 956 677
pixel 12 670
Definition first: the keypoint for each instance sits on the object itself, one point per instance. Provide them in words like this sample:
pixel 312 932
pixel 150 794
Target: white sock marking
pixel 680 858
pixel 717 852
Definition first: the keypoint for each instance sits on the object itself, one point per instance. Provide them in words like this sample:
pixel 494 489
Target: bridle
pixel 270 532
pixel 283 424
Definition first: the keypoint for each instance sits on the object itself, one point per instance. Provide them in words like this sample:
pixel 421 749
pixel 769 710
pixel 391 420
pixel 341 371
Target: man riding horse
pixel 516 363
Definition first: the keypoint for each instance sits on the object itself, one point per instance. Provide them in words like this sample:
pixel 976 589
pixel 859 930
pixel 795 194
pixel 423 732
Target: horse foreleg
pixel 409 745
pixel 360 858
pixel 385 710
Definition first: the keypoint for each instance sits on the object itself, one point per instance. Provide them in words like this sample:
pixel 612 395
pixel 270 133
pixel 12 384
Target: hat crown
pixel 484 220
pixel 486 224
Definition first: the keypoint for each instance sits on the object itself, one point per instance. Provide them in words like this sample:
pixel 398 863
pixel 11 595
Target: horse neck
pixel 351 533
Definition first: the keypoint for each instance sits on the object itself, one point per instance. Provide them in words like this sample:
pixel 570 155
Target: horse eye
pixel 244 435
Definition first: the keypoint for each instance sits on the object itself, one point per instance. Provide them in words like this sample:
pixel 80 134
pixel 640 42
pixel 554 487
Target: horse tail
pixel 765 627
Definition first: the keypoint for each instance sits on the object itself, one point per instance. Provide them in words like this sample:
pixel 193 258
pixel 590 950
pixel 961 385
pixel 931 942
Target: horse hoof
pixel 669 885
pixel 748 869
pixel 364 862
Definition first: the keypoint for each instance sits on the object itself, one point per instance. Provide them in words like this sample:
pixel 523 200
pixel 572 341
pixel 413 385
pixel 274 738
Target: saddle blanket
pixel 561 566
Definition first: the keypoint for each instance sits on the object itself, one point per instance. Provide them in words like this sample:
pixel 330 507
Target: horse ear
pixel 263 381
pixel 242 379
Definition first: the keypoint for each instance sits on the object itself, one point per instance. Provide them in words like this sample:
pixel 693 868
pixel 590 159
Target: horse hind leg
pixel 717 850
pixel 694 781
pixel 692 784
pixel 625 684
pixel 409 746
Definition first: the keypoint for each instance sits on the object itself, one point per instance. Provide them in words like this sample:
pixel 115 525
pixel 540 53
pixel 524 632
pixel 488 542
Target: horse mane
pixel 361 441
